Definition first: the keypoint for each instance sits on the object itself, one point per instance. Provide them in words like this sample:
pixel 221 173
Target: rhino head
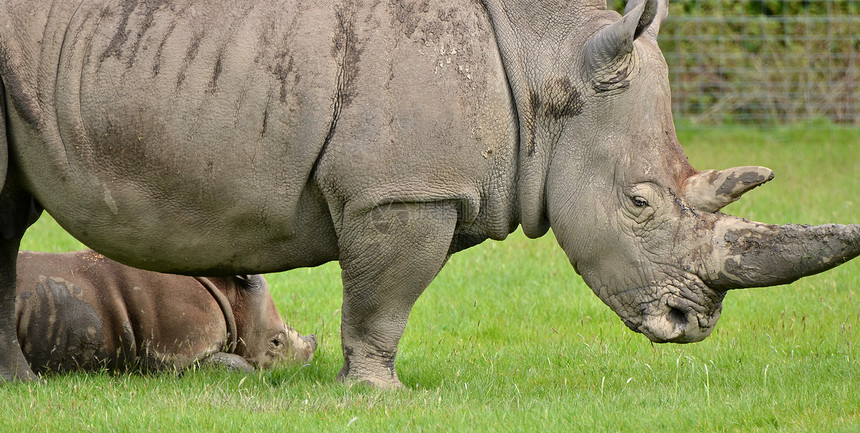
pixel 264 339
pixel 636 220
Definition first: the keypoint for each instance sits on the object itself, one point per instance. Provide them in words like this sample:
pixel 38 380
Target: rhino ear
pixel 661 8
pixel 608 53
pixel 252 283
pixel 711 190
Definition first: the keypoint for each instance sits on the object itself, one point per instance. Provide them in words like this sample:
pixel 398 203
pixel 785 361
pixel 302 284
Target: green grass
pixel 508 338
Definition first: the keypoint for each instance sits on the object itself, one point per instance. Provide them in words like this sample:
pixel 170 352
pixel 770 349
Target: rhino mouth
pixel 683 310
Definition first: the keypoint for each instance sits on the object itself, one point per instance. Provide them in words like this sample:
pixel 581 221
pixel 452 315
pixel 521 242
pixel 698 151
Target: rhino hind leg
pixel 18 210
pixel 388 257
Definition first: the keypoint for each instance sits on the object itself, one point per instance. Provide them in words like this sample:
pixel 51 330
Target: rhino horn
pixel 608 59
pixel 749 254
pixel 711 190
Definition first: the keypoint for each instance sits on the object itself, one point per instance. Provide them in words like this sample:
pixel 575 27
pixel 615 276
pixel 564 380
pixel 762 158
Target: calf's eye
pixel 639 201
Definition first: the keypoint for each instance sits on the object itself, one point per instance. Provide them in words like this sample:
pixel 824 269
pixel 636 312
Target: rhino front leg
pixel 18 211
pixel 13 365
pixel 388 257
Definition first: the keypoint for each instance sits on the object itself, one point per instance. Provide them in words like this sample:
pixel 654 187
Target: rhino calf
pixel 83 311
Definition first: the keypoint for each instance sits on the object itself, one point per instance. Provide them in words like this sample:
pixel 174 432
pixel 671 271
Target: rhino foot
pixel 13 365
pixel 371 369
pixel 15 368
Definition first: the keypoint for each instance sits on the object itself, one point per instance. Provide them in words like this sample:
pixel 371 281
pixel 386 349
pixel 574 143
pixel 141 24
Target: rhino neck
pixel 531 37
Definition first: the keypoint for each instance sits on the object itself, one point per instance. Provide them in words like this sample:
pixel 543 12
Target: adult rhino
pixel 238 137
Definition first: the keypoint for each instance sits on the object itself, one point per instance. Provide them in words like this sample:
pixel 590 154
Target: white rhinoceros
pixel 224 137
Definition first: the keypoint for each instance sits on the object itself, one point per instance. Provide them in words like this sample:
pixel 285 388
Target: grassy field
pixel 509 338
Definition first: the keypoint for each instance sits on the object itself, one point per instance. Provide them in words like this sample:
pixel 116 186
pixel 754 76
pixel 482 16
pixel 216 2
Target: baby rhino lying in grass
pixel 83 311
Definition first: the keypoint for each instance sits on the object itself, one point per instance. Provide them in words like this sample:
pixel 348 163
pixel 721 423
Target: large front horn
pixel 748 254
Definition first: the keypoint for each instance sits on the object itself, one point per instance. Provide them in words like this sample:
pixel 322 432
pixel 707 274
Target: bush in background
pixel 765 61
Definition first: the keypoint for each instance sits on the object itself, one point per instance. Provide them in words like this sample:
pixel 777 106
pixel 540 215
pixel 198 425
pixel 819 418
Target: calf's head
pixel 263 337
pixel 636 220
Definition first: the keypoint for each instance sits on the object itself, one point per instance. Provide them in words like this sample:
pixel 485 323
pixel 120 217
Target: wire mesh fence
pixel 763 61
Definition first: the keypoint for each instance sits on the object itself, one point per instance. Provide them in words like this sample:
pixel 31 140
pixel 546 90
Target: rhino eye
pixel 639 201
pixel 276 342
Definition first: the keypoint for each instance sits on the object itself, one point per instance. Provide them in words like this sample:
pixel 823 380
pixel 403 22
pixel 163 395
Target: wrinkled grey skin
pixel 83 311
pixel 225 137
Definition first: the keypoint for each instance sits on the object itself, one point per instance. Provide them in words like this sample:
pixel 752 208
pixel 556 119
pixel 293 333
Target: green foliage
pixel 508 338
pixel 770 61
pixel 755 7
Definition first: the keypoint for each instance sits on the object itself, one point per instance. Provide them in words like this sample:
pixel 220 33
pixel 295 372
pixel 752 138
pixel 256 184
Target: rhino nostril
pixel 677 317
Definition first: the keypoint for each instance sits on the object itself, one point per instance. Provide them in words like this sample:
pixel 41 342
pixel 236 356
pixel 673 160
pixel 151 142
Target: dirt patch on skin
pixel 408 15
pixel 760 255
pixel 125 33
pixel 559 99
pixel 346 49
pixel 741 182
pixel 451 32
pixel 556 100
pixel 432 22
pixel 57 328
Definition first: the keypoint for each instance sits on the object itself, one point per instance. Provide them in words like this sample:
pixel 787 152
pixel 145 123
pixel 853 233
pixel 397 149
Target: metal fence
pixel 764 61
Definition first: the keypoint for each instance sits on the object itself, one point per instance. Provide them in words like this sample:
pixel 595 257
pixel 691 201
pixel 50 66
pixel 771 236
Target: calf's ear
pixel 609 52
pixel 252 282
